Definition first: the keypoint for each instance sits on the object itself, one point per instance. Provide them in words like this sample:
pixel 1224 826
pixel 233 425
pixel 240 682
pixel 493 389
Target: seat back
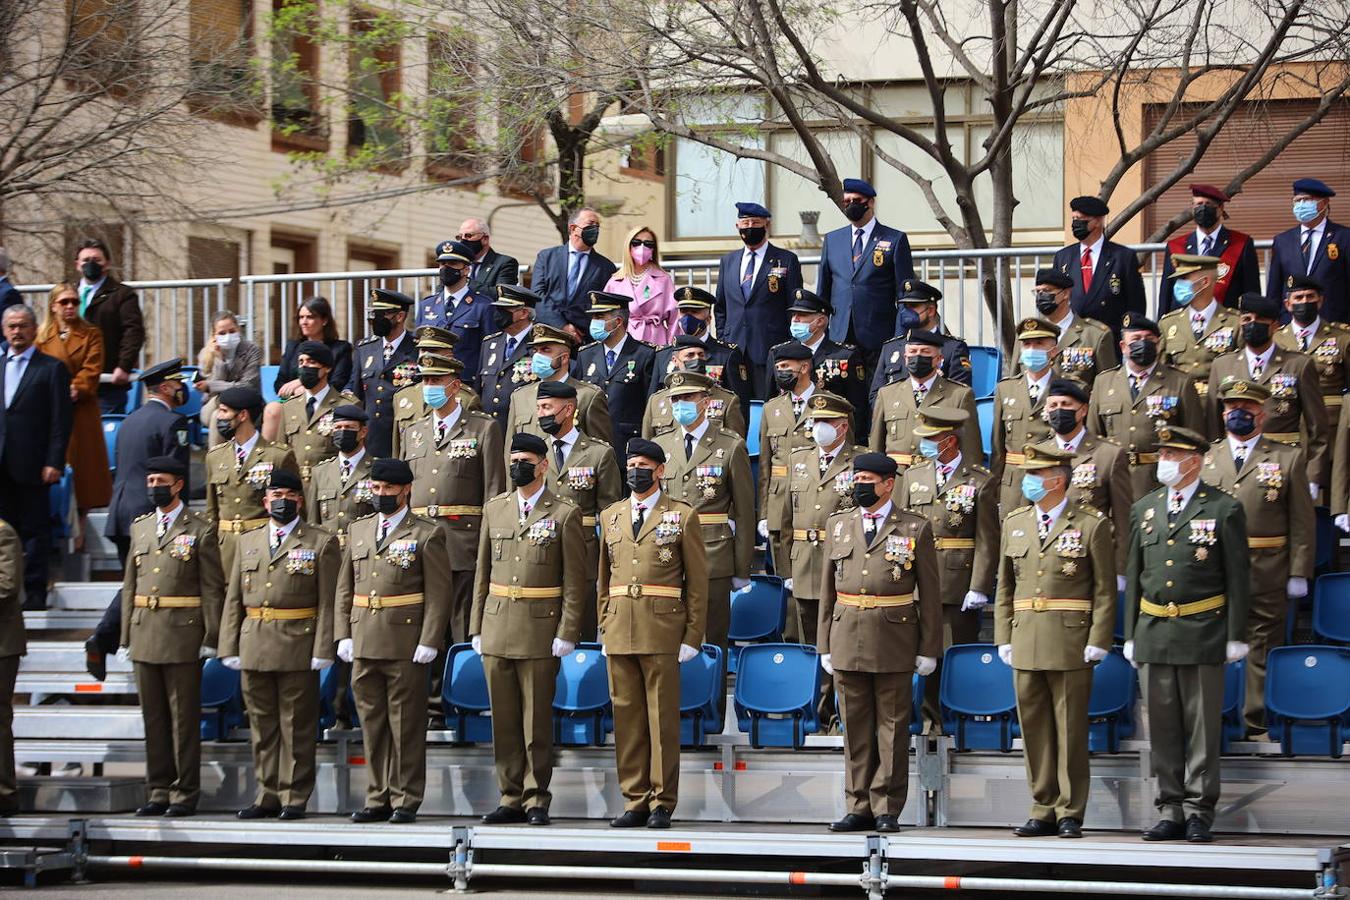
pixel 1308 698
pixel 135 393
pixel 978 704
pixel 464 684
pixel 700 683
pixel 195 399
pixel 758 612
pixel 328 688
pixel 1234 697
pixel 59 504
pixel 1331 607
pixel 984 370
pixel 583 681
pixel 222 700
pixel 776 690
pixel 268 376
pixel 752 428
pixel 1111 704
pixel 112 423
pixel 984 409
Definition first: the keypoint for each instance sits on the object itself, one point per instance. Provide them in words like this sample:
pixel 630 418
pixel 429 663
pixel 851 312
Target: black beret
pixel 558 390
pixel 1133 321
pixel 285 478
pixel 688 340
pixel 1067 387
pixel 1304 283
pixel 878 463
pixel 391 471
pixel 166 465
pixel 1053 277
pixel 524 442
pixel 1089 206
pixel 926 338
pixel 316 351
pixel 650 449
pixel 792 350
pixel 241 398
pixel 350 412
pixel 1259 305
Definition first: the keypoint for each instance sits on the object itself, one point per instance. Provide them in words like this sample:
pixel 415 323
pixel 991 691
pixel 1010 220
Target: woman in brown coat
pixel 79 345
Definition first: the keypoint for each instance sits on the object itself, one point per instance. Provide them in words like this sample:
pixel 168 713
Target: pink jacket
pixel 652 314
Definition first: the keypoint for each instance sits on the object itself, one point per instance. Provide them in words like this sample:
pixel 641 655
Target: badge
pixel 1223 270
pixel 707 479
pixel 1070 543
pixel 960 499
pixel 182 437
pixel 878 257
pixel 1269 475
pixel 542 533
pixel 1203 532
pixel 259 476
pixel 1220 341
pixel 900 550
pixel 1201 554
pixel 667 531
pixel 492 359
pixel 406 374
pixel 404 403
pixel 773 284
pixel 364 492
pixel 1084 475
pixel 713 372
pixel 1333 252
pixel 402 553
pixel 1114 284
pixel 590 370
pixel 955 520
pixel 1171 332
pixel 1069 568
pixel 464 448
pixel 581 478
pixel 325 424
pixel 843 485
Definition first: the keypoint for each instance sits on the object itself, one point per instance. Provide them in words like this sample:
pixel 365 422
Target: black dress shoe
pixel 854 822
pixel 258 812
pixel 402 816
pixel 179 811
pixel 1070 828
pixel 1166 830
pixel 95 660
pixel 153 808
pixel 1197 832
pixel 372 814
pixel 537 815
pixel 504 815
pixel 291 813
pixel 888 824
pixel 1036 828
pixel 633 818
pixel 659 818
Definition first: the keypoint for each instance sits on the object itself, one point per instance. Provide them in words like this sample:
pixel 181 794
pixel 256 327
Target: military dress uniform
pixel 13 645
pixel 1194 353
pixel 726 362
pixel 335 500
pixel 839 369
pixel 234 489
pixel 898 407
pixel 1327 344
pixel 956 364
pixel 504 368
pixel 723 410
pixel 784 426
pixel 626 380
pixel 1166 397
pixel 379 371
pixel 409 407
pixel 1086 349
pixel 307 433
pixel 1101 479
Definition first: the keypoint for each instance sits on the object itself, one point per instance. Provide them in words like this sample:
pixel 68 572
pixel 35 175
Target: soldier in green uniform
pixel 171 599
pixel 531 583
pixel 899 403
pixel 339 491
pixel 552 360
pixel 1186 599
pixel 307 417
pixel 277 629
pixel 1270 480
pixel 1200 328
pixel 690 354
pixel 1053 619
pixel 653 600
pixel 783 428
pixel 1019 407
pixel 874 634
pixel 1086 347
pixel 393 607
pixel 409 407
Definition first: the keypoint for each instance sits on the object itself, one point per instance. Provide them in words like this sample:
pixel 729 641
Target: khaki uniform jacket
pixel 1295 407
pixel 462 471
pixel 238 495
pixel 1273 490
pixel 334 505
pixel 895 415
pixel 591 480
pixel 668 552
pixel 780 434
pixel 310 439
pixel 183 563
pixel 1180 349
pixel 814 499
pixel 1086 350
pixel 592 415
pixel 1167 397
pixel 413 561
pixel 1076 562
pixel 302 574
pixel 13 638
pixel 964 516
pixel 546 551
pixel 1202 554
pixel 1019 422
pixel 1329 349
pixel 1101 479
pixel 409 408
pixel 724 410
pixel 902 559
pixel 716 481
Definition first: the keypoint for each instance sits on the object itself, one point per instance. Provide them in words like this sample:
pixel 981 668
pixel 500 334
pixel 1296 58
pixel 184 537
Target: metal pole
pixel 331 866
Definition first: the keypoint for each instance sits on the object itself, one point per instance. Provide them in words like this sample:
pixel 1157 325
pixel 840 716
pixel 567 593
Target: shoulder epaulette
pixel 587 346
pixel 370 340
pixel 363 518
pixel 1017 377
pixel 144 516
pixel 649 346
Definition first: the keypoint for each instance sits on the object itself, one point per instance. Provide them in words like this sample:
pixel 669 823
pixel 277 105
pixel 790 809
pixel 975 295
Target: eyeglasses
pixel 639 242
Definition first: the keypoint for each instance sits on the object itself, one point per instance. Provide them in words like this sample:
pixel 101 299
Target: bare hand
pixel 50 475
pixel 202 386
pixel 576 335
pixel 74 394
pixel 291 388
pixel 121 376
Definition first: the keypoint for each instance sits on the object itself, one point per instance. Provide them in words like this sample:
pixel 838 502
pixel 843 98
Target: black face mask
pixel 1143 353
pixel 380 326
pixel 1080 228
pixel 753 236
pixel 309 377
pixel 1256 334
pixel 855 211
pixel 786 379
pixel 451 276
pixel 502 316
pixel 161 495
pixel 1239 422
pixel 226 428
pixel 865 494
pixel 692 324
pixel 1206 216
pixel 346 439
pixel 640 480
pixel 1303 313
pixel 695 365
pixel 387 504
pixel 550 424
pixel 92 271
pixel 522 472
pixel 1046 303
pixel 474 247
pixel 920 366
pixel 590 235
pixel 283 510
pixel 1064 421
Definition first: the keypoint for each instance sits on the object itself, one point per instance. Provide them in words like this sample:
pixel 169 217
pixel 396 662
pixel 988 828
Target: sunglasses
pixel 639 242
pixel 71 302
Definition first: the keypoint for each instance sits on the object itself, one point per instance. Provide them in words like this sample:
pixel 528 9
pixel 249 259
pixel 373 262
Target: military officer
pixel 725 362
pixel 237 470
pixel 618 364
pixel 505 358
pixel 959 498
pixel 874 635
pixel 653 599
pixel 307 417
pixel 552 361
pixel 691 356
pixel 455 458
pixel 1086 346
pixel 339 487
pixel 1200 327
pixel 1054 616
pixel 1131 402
pixel 1326 342
pixel 919 312
pixel 1186 598
pixel 393 607
pixel 1269 478
pixel 526 616
pixel 171 599
pixel 1019 403
pixel 899 403
pixel 1295 411
pixel 409 407
pixel 385 363
pixel 457 307
pixel 838 367
pixel 278 630
pixel 784 426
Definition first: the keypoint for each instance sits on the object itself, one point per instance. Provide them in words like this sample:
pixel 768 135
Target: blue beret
pixel 1314 187
pixel 858 186
pixel 746 210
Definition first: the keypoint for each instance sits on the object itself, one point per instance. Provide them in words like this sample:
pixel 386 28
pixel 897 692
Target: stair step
pixel 82 595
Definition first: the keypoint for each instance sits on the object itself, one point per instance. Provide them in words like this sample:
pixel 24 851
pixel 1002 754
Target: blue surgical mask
pixel 541 364
pixel 685 411
pixel 434 395
pixel 907 319
pixel 692 324
pixel 1033 487
pixel 1183 291
pixel 928 448
pixel 1305 210
pixel 800 331
pixel 598 330
pixel 1035 360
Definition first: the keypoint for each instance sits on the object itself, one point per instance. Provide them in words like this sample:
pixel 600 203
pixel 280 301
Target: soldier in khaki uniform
pixel 455 458
pixel 1200 328
pixel 1271 483
pixel 339 491
pixel 278 629
pixel 1186 597
pixel 171 599
pixel 899 403
pixel 531 583
pixel 409 407
pixel 1053 619
pixel 307 417
pixel 393 607
pixel 552 361
pixel 653 599
pixel 13 645
pixel 784 426
pixel 1086 347
pixel 874 634
pixel 691 355
pixel 1132 402
pixel 1019 404
pixel 959 498
pixel 239 468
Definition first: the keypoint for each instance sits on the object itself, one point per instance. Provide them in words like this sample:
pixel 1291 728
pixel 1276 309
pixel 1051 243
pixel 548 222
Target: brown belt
pixel 814 535
pixel 154 602
pixel 444 512
pixel 1267 543
pixel 1172 610
pixel 374 601
pixel 1045 604
pixel 713 518
pixel 268 613
pixel 236 526
pixel 647 590
pixel 871 601
pixel 954 543
pixel 516 592
pixel 1142 458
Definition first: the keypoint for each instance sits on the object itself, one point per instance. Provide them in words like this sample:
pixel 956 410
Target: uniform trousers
pixel 391 700
pixel 1185 726
pixel 645 688
pixel 589 628
pixel 1052 707
pixel 957 628
pixel 283 721
pixel 171 705
pixel 1266 621
pixel 521 693
pixel 9 786
pixel 875 707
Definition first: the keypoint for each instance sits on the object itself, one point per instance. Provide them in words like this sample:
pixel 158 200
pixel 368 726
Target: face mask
pixel 283 510
pixel 855 210
pixel 380 326
pixel 345 439
pixel 590 234
pixel 434 395
pixel 92 271
pixel 226 428
pixel 1303 313
pixel 1064 421
pixel 907 319
pixel 227 342
pixel 1143 353
pixel 824 434
pixel 1080 228
pixel 685 411
pixel 753 236
pixel 598 330
pixel 692 324
pixel 522 472
pixel 696 365
pixel 865 494
pixel 1256 334
pixel 550 424
pixel 920 366
pixel 475 248
pixel 640 480
pixel 179 396
pixel 786 379
pixel 1033 487
pixel 1046 303
pixel 161 495
pixel 928 448
pixel 309 376
pixel 1169 471
pixel 541 364
pixel 1183 291
pixel 1206 216
pixel 800 331
pixel 641 254
pixel 386 504
pixel 501 317
pixel 1240 422
pixel 1304 210
pixel 1035 360
pixel 450 276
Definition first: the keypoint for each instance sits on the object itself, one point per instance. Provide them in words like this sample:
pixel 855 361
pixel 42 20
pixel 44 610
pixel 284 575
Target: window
pixel 115 236
pixel 289 254
pixel 223 77
pixel 453 147
pixel 102 49
pixel 296 120
pixel 373 84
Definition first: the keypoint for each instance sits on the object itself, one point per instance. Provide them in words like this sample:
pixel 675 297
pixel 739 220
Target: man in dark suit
pixel 726 363
pixel 34 431
pixel 9 294
pixel 487 267
pixel 754 287
pixel 564 276
pixel 863 267
pixel 1106 279
pixel 385 363
pixel 113 307
pixel 1239 270
pixel 618 364
pixel 457 306
pixel 1316 247
pixel 919 312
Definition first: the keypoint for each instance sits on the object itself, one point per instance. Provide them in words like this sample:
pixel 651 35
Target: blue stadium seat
pixel 1111 706
pixel 59 498
pixel 700 682
pixel 984 371
pixel 581 701
pixel 1308 698
pixel 984 408
pixel 752 428
pixel 1331 608
pixel 979 706
pixel 776 692
pixel 916 689
pixel 112 423
pixel 1119 634
pixel 1234 696
pixel 135 393
pixel 464 695
pixel 758 614
pixel 328 688
pixel 222 701
pixel 268 374
pixel 192 406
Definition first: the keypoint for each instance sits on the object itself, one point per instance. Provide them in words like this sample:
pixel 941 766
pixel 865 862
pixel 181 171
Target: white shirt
pixel 393 521
pixel 1205 314
pixel 452 300
pixel 924 386
pixel 1064 324
pixel 1316 233
pixel 1246 447
pixel 804 395
pixel 172 514
pixel 1072 444
pixel 353 461
pixel 1141 377
pixel 448 420
pixel 525 504
pixel 1054 513
pixel 758 257
pixel 246 445
pixel 1095 247
pixel 697 431
pixel 1262 358
pixel 815 346
pixel 877 517
pixel 948 468
pixel 1214 239
pixel 1300 331
pixel 617 348
pixel 317 398
pixel 279 533
pixel 14 370
pixel 393 345
pixel 866 232
pixel 582 260
pixel 569 441
pixel 1043 381
pixel 647 504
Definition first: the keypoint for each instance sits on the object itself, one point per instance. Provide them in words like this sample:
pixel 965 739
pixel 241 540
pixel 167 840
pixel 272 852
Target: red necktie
pixel 1087 269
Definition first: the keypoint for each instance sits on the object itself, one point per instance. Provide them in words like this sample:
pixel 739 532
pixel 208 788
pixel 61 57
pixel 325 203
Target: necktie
pixel 85 292
pixel 524 512
pixel 1206 245
pixel 637 520
pixel 1033 391
pixel 748 277
pixel 870 526
pixel 573 272
pixel 1198 323
pixel 610 357
pixel 921 391
pixel 510 347
pixel 1307 250
pixel 558 454
pixel 12 379
pixel 1134 385
pixel 473 272
pixel 1087 269
pixel 276 540
pixel 1304 337
pixel 388 352
pixel 163 527
pixel 857 247
pixel 239 457
pixel 944 472
pixel 384 531
pixel 1043 528
pixel 440 432
pixel 825 463
pixel 1240 456
pixel 797 404
pixel 688 446
pixel 309 409
pixel 1174 503
pixel 1257 368
pixel 346 470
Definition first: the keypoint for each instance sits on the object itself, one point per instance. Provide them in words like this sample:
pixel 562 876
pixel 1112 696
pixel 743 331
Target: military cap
pixel 439 364
pixel 1045 456
pixel 285 478
pixel 935 420
pixel 1054 278
pixel 1133 321
pixel 1067 387
pixel 876 463
pixel 557 390
pixel 166 465
pixel 858 186
pixel 1259 305
pixel 316 351
pixel 604 302
pixel 350 412
pixel 650 449
pixel 169 370
pixel 1232 388
pixel 524 442
pixel 1209 192
pixel 1304 283
pixel 382 300
pixel 752 210
pixel 1313 187
pixel 1185 263
pixel 926 338
pixel 513 295
pixel 453 251
pixel 391 471
pixel 690 297
pixel 804 301
pixel 828 406
pixel 541 334
pixel 916 291
pixel 1178 438
pixel 1032 327
pixel 792 350
pixel 240 397
pixel 1089 206
pixel 681 383
pixel 688 340
pixel 433 337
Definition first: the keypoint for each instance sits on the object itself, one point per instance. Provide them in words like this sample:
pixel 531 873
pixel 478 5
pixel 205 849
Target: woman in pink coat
pixel 652 313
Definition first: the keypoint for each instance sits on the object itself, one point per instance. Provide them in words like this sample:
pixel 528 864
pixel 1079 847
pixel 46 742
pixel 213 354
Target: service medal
pixel 1069 568
pixel 664 555
pixel 1201 554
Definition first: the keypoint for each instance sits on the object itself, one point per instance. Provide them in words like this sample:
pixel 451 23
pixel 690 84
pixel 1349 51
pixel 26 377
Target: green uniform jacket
pixel 183 563
pixel 1167 397
pixel 716 481
pixel 463 470
pixel 592 415
pixel 238 495
pixel 814 499
pixel 1178 347
pixel 311 439
pixel 409 408
pixel 780 433
pixel 334 505
pixel 895 415
pixel 724 409
pixel 1086 349
pixel 964 510
pixel 13 638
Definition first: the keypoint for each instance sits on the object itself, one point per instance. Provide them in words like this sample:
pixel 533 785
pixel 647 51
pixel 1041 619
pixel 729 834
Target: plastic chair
pixel 700 682
pixel 1119 634
pixel 776 692
pixel 1331 608
pixel 112 423
pixel 1308 698
pixel 268 374
pixel 135 393
pixel 222 701
pixel 1234 698
pixel 464 695
pixel 328 688
pixel 984 369
pixel 758 614
pixel 581 701
pixel 979 705
pixel 916 689
pixel 1111 705
pixel 752 428
pixel 984 408
pixel 59 498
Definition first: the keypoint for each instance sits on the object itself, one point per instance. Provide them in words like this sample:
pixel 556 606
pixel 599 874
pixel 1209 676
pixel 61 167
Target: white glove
pixel 230 662
pixel 1343 522
pixel 345 649
pixel 123 654
pixel 974 600
pixel 1236 650
pixel 925 665
pixel 738 584
pixel 1093 654
pixel 318 665
pixel 477 643
pixel 686 653
pixel 562 648
pixel 604 651
pixel 1128 650
pixel 1297 588
pixel 825 664
pixel 1120 583
pixel 424 654
pixel 787 583
pixel 1314 489
pixel 1005 654
pixel 732 524
pixel 210 652
pixel 763 528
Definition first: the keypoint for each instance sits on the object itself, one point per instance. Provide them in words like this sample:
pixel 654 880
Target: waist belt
pixel 1015 459
pixel 152 602
pixel 1052 604
pixel 871 601
pixel 954 543
pixel 1267 543
pixel 903 459
pixel 268 613
pixel 235 526
pixel 589 521
pixel 374 601
pixel 777 471
pixel 516 592
pixel 713 519
pixel 1172 610
pixel 1284 437
pixel 647 590
pixel 814 535
pixel 444 512
pixel 1333 399
pixel 1143 459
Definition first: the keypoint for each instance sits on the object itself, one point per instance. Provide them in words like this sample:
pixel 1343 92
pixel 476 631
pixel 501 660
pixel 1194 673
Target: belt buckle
pixel 152 602
pixel 635 591
pixel 866 602
pixel 1173 610
pixel 433 511
pixel 812 535
pixel 373 602
pixel 1039 604
pixel 268 613
pixel 514 592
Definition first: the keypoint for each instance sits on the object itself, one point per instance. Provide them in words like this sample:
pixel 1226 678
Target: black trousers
pixel 28 509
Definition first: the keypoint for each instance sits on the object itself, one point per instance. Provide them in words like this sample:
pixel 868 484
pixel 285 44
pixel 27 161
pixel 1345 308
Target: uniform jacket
pixel 726 364
pixel 463 470
pixel 1180 349
pixel 235 494
pixel 592 415
pixel 840 369
pixel 1329 349
pixel 334 505
pixel 1101 479
pixel 897 415
pixel 813 498
pixel 1330 266
pixel 152 430
pixel 1117 287
pixel 409 407
pixel 891 368
pixel 723 411
pixel 471 319
pixel 560 305
pixel 592 480
pixel 1086 349
pixel 117 313
pixel 1167 397
pixel 1018 422
pixel 35 428
pixel 716 481
pixel 183 563
pixel 310 439
pixel 758 321
pixel 374 382
pixel 13 638
pixel 963 513
pixel 780 432
pixel 864 296
pixel 499 374
pixel 494 269
pixel 1233 280
pixel 625 386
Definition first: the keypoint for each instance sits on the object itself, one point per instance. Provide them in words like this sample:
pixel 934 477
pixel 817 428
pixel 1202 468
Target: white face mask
pixel 824 434
pixel 227 342
pixel 1169 471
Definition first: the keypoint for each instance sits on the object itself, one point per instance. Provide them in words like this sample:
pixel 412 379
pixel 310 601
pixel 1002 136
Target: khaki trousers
pixel 9 785
pixel 645 689
pixel 171 705
pixel 779 550
pixel 521 693
pixel 1052 708
pixel 875 708
pixel 1185 726
pixel 391 699
pixel 1266 620
pixel 283 721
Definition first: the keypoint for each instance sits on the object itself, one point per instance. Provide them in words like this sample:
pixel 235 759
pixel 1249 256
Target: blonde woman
pixel 228 360
pixel 652 313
